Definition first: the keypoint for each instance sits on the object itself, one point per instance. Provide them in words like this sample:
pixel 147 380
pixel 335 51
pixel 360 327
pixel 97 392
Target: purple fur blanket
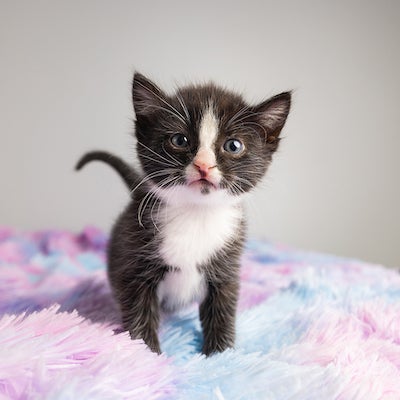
pixel 309 326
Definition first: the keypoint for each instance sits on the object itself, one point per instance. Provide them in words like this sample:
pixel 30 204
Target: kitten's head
pixel 204 144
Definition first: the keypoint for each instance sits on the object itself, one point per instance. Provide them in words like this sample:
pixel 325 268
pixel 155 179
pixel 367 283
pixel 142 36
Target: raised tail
pixel 128 174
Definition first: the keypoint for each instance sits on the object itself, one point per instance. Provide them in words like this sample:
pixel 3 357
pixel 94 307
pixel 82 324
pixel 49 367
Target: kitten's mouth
pixel 204 184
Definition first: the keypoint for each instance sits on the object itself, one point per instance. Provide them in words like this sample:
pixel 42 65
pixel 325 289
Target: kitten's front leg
pixel 218 316
pixel 140 314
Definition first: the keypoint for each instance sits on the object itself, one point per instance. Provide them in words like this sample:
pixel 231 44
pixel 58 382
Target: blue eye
pixel 179 140
pixel 233 146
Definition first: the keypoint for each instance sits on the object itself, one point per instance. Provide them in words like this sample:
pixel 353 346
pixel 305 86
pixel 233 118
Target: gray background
pixel 65 75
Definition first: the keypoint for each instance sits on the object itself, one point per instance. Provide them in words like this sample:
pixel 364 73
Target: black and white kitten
pixel 181 237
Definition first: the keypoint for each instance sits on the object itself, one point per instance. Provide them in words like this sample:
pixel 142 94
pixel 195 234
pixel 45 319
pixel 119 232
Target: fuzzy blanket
pixel 309 327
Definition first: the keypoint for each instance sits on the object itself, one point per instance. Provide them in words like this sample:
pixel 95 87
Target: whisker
pixel 146 199
pixel 241 179
pixel 173 189
pixel 237 115
pixel 155 153
pixel 140 208
pixel 183 105
pixel 255 123
pixel 250 169
pixel 152 210
pixel 169 164
pixel 155 191
pixel 253 114
pixel 238 188
pixel 171 156
pixel 154 175
pixel 239 170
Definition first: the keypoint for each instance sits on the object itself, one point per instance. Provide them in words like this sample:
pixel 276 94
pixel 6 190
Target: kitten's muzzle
pixel 203 174
pixel 203 168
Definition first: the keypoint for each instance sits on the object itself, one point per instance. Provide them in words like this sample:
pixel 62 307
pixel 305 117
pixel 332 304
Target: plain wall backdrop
pixel 65 74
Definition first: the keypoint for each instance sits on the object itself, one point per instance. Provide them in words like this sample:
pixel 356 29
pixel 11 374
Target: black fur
pixel 129 176
pixel 135 266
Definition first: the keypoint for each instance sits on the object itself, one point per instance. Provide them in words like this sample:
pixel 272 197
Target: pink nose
pixel 203 168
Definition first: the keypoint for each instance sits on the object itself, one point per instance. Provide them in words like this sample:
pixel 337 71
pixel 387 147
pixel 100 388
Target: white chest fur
pixel 191 235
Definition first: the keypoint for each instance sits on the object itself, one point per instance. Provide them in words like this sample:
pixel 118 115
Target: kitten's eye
pixel 179 140
pixel 233 146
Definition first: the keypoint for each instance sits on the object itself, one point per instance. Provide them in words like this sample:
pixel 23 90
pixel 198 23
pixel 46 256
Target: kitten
pixel 181 236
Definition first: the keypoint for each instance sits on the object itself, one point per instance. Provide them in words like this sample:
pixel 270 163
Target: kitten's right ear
pixel 272 114
pixel 146 96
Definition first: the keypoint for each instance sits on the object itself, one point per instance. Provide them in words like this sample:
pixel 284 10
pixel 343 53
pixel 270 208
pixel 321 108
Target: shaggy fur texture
pixel 309 327
pixel 201 150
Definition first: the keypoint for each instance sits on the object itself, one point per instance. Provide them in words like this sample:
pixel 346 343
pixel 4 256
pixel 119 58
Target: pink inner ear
pixel 273 112
pixel 147 97
pixel 275 116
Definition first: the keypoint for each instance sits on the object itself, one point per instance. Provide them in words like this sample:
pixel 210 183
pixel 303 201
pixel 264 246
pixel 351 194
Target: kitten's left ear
pixel 272 113
pixel 147 96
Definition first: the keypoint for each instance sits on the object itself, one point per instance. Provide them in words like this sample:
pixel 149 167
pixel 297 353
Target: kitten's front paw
pixel 151 341
pixel 154 347
pixel 216 346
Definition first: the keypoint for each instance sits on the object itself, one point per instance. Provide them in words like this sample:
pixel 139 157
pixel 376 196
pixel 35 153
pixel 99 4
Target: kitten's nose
pixel 203 168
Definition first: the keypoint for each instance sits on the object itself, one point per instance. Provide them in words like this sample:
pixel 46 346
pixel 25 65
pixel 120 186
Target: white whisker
pixel 183 105
pixel 255 123
pixel 169 164
pixel 177 162
pixel 235 117
pixel 155 192
pixel 155 153
pixel 154 174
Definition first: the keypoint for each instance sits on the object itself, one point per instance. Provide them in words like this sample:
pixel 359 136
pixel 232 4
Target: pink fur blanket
pixel 309 326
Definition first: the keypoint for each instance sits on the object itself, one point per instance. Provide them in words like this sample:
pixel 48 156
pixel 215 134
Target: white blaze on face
pixel 205 156
pixel 207 135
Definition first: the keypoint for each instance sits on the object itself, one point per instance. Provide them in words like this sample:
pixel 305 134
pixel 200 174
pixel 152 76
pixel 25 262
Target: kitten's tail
pixel 128 174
